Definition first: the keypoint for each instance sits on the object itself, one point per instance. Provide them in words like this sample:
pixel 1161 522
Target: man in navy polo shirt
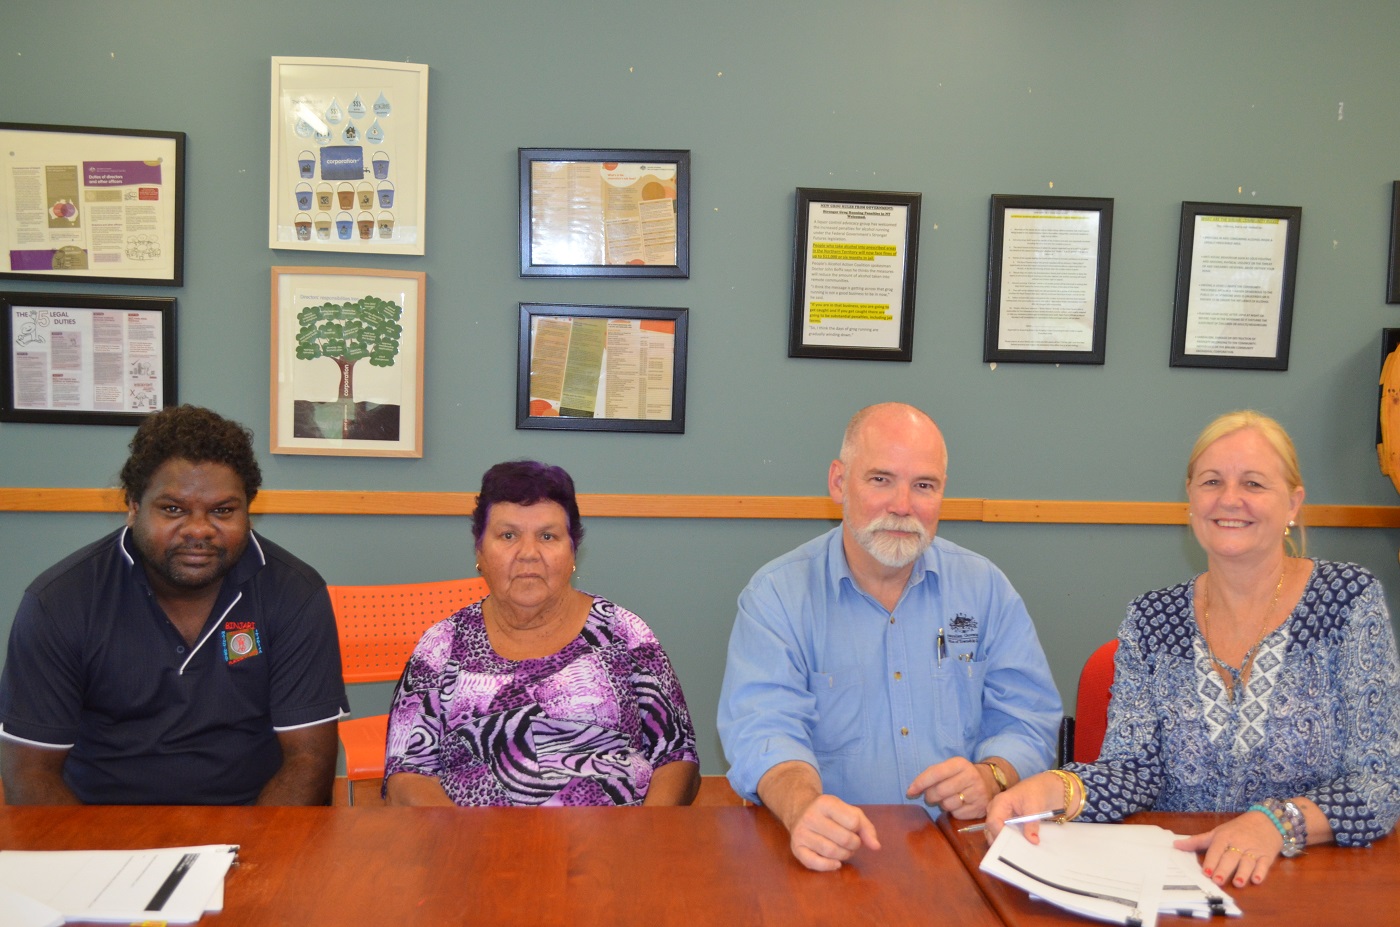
pixel 181 659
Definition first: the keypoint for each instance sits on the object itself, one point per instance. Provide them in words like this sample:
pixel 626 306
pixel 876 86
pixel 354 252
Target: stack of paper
pixel 176 885
pixel 1121 873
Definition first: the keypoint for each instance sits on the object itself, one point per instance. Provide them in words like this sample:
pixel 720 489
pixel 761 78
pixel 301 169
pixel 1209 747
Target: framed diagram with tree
pixel 347 361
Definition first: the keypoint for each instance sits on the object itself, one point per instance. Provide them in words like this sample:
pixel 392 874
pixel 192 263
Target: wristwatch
pixel 997 774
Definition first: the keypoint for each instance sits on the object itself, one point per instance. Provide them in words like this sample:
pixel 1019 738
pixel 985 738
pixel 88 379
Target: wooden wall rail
pixel 1018 511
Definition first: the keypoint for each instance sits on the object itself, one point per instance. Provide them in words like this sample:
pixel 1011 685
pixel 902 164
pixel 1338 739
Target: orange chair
pixel 379 626
pixel 1091 706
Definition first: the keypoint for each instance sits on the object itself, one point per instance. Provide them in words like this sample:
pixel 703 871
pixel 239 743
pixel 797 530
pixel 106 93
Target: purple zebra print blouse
pixel 585 726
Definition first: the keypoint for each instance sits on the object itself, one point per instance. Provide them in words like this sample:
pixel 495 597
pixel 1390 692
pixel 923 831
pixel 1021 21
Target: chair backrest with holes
pixel 380 625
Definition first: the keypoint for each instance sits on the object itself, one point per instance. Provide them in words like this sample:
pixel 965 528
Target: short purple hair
pixel 525 482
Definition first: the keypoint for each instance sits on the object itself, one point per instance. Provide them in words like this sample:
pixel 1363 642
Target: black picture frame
pixel 858 334
pixel 1230 257
pixel 30 318
pixel 566 241
pixel 583 362
pixel 1392 289
pixel 1045 281
pixel 96 165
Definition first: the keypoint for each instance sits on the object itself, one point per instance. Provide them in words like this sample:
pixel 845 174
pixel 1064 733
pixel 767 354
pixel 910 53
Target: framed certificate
pixel 855 259
pixel 1235 272
pixel 601 368
pixel 604 212
pixel 1047 279
pixel 89 204
pixel 87 360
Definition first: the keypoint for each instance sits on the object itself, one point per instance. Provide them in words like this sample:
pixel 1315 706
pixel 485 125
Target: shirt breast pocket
pixel 840 712
pixel 960 683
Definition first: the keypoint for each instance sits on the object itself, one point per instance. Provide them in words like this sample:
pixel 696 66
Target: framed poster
pixel 348 164
pixel 604 212
pixel 90 204
pixel 347 361
pixel 601 368
pixel 855 260
pixel 87 360
pixel 1235 271
pixel 1047 279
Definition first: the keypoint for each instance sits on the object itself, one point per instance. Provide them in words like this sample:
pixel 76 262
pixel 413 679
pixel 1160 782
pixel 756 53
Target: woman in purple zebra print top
pixel 540 694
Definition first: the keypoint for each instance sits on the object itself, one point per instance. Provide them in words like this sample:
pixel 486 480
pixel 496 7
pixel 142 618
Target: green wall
pixel 1239 101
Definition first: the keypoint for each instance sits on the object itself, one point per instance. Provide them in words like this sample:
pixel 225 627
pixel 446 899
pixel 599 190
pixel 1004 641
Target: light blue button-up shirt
pixel 819 671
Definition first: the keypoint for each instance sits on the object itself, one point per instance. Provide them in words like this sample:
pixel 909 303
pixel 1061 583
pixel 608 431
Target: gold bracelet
pixel 1068 780
pixel 1083 795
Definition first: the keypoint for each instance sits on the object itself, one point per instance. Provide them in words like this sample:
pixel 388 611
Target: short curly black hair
pixel 195 434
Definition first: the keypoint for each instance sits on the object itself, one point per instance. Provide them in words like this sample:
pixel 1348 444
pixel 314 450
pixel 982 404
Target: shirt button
pixel 179 650
pixel 898 676
pixel 904 731
pixel 891 619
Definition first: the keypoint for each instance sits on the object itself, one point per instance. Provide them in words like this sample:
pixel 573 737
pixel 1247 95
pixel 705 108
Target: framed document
pixel 1392 288
pixel 1235 271
pixel 87 360
pixel 89 204
pixel 1047 279
pixel 348 161
pixel 347 361
pixel 601 368
pixel 604 212
pixel 855 257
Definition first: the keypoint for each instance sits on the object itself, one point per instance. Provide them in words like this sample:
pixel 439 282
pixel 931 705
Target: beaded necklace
pixel 1226 671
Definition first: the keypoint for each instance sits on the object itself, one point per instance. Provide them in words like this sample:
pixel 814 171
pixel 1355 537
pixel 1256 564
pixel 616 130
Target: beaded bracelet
pixel 1288 819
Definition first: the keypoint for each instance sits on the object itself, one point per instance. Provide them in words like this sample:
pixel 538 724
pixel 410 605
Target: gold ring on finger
pixel 1234 849
pixel 962 798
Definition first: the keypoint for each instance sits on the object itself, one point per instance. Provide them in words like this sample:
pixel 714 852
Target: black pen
pixel 942 647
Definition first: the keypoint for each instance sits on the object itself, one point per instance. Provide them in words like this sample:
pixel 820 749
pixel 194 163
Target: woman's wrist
pixel 1288 819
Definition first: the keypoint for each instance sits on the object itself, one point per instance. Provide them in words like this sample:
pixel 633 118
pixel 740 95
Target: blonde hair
pixel 1272 432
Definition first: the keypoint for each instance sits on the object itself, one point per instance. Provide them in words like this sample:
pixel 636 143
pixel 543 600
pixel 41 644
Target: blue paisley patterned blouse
pixel 585 726
pixel 1319 717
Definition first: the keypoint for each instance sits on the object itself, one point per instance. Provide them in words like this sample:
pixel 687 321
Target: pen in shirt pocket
pixel 942 647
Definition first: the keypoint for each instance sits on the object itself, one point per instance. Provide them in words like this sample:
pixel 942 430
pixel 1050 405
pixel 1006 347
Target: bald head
pixel 886 418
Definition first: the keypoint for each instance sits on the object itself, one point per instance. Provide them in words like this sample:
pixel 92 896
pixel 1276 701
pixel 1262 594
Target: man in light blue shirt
pixel 877 664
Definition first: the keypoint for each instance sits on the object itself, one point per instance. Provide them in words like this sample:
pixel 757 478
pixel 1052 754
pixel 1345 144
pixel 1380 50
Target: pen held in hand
pixel 1023 819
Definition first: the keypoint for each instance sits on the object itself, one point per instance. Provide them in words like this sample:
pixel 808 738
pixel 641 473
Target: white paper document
pixel 1120 873
pixel 177 885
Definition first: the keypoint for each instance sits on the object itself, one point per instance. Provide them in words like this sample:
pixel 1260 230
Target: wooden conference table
pixel 646 866
pixel 581 866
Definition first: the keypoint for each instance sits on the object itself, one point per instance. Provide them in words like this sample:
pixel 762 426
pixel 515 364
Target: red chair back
pixel 1091 708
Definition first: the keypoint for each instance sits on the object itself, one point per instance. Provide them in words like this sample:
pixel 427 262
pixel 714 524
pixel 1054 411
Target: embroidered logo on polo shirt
pixel 241 641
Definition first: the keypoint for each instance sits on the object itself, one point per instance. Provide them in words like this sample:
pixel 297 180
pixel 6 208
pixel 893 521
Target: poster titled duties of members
pixel 1236 269
pixel 100 205
pixel 90 360
pixel 854 262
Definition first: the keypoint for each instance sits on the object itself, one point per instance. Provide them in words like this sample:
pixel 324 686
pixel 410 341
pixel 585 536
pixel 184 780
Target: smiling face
pixel 191 525
pixel 525 554
pixel 1240 498
pixel 890 487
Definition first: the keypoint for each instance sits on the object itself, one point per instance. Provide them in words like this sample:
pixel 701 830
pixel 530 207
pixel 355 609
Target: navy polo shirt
pixel 95 665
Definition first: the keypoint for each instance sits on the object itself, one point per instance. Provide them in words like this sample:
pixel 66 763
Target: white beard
pixel 893 550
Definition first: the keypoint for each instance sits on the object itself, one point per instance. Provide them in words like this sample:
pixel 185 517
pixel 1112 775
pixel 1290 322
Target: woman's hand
pixel 1240 851
pixel 1041 792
